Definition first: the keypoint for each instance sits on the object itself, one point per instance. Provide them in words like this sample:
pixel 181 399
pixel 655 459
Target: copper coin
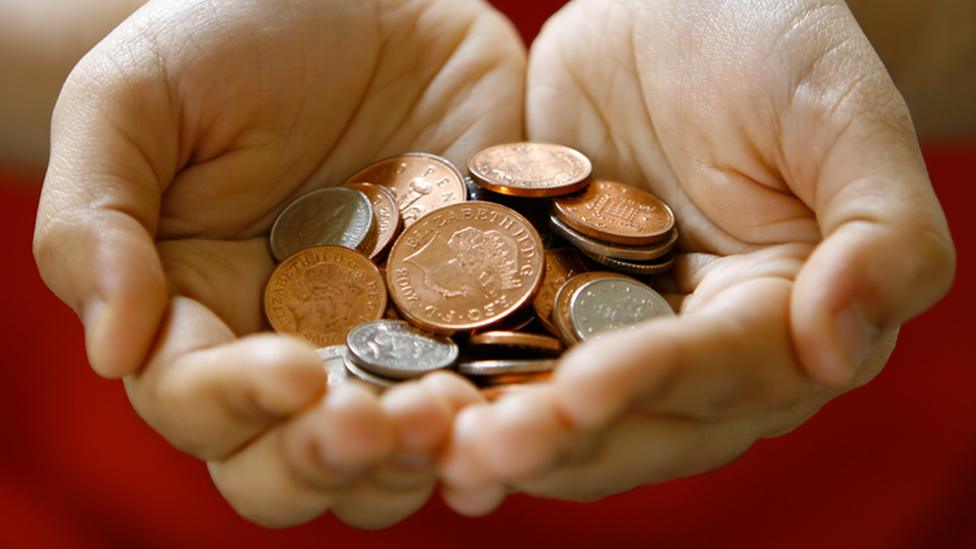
pixel 531 169
pixel 422 183
pixel 618 213
pixel 326 217
pixel 531 342
pixel 561 265
pixel 465 267
pixel 515 322
pixel 387 215
pixel 562 306
pixel 322 293
pixel 492 368
pixel 659 266
pixel 513 379
pixel 616 251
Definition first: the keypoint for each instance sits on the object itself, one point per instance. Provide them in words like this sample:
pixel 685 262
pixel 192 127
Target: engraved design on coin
pixel 327 217
pixel 395 349
pixel 615 212
pixel 540 169
pixel 612 304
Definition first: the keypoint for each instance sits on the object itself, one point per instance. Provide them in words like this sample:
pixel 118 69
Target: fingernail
pixel 853 338
pixel 93 316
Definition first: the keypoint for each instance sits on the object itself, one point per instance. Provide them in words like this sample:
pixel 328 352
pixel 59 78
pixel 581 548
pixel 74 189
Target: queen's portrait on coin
pixel 482 262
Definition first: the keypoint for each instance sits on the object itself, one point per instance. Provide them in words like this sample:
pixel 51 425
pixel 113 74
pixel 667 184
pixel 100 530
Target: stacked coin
pixel 397 273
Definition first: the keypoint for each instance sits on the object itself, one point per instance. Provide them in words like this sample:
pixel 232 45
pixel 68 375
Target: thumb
pixel 96 223
pixel 886 256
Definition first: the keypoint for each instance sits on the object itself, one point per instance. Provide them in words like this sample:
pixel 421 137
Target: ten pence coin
pixel 615 212
pixel 464 267
pixel 387 214
pixel 531 169
pixel 322 293
pixel 607 305
pixel 561 307
pixel 327 217
pixel 422 183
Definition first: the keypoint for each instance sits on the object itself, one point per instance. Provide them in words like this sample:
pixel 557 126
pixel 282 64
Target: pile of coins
pixel 411 267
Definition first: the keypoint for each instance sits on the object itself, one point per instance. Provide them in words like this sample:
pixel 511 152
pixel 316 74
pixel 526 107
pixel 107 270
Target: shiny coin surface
pixel 394 349
pixel 368 378
pixel 336 216
pixel 333 359
pixel 658 266
pixel 618 213
pixel 387 216
pixel 531 342
pixel 564 299
pixel 615 251
pixel 506 367
pixel 607 305
pixel 464 267
pixel 322 293
pixel 531 169
pixel 561 265
pixel 422 183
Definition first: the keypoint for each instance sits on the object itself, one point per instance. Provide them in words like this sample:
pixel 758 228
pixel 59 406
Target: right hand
pixel 175 143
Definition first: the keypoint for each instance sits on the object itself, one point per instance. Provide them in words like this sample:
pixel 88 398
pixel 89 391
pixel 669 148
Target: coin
pixel 322 293
pixel 368 378
pixel 333 359
pixel 615 251
pixel 531 169
pixel 606 305
pixel 422 183
pixel 530 342
pixel 387 214
pixel 561 306
pixel 561 265
pixel 327 217
pixel 661 265
pixel 618 213
pixel 396 350
pixel 495 393
pixel 511 380
pixel 506 367
pixel 464 267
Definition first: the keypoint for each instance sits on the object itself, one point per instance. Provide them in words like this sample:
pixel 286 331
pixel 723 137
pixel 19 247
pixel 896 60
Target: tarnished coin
pixel 333 359
pixel 506 367
pixel 561 265
pixel 394 349
pixel 564 298
pixel 531 169
pixel 464 267
pixel 618 213
pixel 327 217
pixel 615 251
pixel 322 293
pixel 368 378
pixel 530 342
pixel 607 305
pixel 422 183
pixel 387 215
pixel 658 266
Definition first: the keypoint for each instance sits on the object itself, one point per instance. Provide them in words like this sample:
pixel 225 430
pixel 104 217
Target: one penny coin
pixel 464 267
pixel 322 293
pixel 387 214
pixel 608 305
pixel 335 216
pixel 618 213
pixel 561 265
pixel 531 169
pixel 615 251
pixel 533 343
pixel 422 183
pixel 564 298
pixel 650 268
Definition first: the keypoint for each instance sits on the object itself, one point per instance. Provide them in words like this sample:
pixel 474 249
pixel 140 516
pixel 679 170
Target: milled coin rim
pixel 639 269
pixel 614 251
pixel 516 340
pixel 391 372
pixel 278 254
pixel 574 302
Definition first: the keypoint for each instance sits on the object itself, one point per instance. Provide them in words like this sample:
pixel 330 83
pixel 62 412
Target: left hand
pixel 810 233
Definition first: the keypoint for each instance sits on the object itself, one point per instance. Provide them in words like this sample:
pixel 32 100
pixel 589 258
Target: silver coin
pixel 506 367
pixel 368 378
pixel 333 358
pixel 612 304
pixel 614 251
pixel 337 216
pixel 656 267
pixel 397 350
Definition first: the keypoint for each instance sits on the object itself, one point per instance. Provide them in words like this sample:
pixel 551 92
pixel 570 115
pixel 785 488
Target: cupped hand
pixel 809 234
pixel 175 143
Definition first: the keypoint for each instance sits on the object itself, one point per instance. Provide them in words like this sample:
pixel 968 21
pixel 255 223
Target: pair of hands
pixel 810 233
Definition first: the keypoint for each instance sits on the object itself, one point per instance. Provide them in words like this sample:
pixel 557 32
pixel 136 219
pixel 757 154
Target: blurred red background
pixel 892 465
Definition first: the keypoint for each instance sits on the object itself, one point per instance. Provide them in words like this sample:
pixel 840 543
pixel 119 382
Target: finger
pixel 208 394
pixel 474 503
pixel 299 470
pixel 469 487
pixel 887 254
pixel 97 218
